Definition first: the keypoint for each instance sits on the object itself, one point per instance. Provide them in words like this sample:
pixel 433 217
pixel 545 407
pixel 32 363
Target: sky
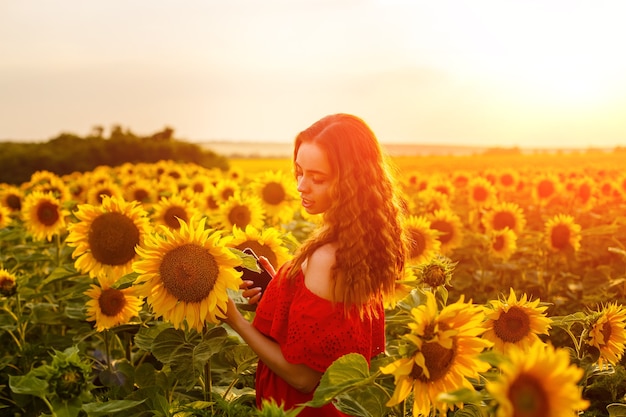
pixel 497 73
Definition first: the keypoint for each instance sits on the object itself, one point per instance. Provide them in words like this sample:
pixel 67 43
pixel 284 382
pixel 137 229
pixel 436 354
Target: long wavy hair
pixel 365 219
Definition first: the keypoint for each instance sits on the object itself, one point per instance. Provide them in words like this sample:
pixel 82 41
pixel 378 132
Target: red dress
pixel 312 331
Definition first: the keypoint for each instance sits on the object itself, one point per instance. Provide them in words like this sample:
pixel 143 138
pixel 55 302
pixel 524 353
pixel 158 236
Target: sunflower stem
pixel 107 350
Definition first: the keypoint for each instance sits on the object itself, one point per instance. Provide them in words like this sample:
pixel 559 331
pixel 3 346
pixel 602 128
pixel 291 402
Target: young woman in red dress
pixel 328 300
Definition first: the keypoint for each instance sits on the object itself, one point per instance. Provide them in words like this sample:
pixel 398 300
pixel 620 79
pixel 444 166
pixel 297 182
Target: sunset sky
pixel 489 73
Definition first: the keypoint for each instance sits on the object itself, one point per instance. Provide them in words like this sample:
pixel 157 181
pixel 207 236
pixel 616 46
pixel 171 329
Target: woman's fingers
pixel 265 263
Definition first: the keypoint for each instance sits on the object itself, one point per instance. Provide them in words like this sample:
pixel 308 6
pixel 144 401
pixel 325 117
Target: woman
pixel 328 301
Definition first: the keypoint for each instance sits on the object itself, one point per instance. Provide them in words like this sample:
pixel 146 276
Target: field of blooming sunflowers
pixel 113 283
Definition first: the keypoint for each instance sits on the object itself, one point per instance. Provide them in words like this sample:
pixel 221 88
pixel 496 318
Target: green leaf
pixel 367 401
pixel 29 385
pixel 111 406
pixel 69 408
pixel 345 373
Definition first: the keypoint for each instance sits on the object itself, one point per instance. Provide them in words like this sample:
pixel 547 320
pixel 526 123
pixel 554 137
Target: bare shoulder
pixel 317 271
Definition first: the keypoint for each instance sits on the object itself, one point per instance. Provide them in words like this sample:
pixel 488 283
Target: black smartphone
pixel 259 278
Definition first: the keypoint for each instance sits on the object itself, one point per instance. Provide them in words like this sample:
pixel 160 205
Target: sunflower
pixel 56 186
pixel 109 306
pixel 514 322
pixel 142 190
pixel 186 273
pixel 277 192
pixel 502 243
pixel 403 288
pixel 108 188
pixel 449 227
pixel 240 211
pixel 105 237
pixel 562 234
pixel 538 382
pixel 226 188
pixel 11 197
pixel 545 188
pixel 445 346
pixel 481 192
pixel 607 333
pixel 502 215
pixel 43 215
pixel 507 179
pixel 584 192
pixel 268 242
pixel 8 283
pixel 429 201
pixel 437 272
pixel 424 243
pixel 169 210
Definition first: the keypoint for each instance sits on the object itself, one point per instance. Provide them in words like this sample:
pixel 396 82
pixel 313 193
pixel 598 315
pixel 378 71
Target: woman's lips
pixel 306 203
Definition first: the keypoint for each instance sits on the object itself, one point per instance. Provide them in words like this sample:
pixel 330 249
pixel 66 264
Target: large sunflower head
pixel 185 274
pixel 444 352
pixel 607 333
pixel 562 234
pixel 277 192
pixel 512 322
pixel 240 211
pixel 424 244
pixel 449 229
pixel 537 382
pixel 105 237
pixel 109 306
pixel 504 215
pixel 43 215
pixel 268 242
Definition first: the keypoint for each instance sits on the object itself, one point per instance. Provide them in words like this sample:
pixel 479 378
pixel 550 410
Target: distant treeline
pixel 69 153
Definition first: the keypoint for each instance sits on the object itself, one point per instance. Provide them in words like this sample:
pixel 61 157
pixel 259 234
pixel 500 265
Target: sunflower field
pixel 113 284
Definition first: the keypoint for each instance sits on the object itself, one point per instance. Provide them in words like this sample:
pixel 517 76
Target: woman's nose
pixel 301 184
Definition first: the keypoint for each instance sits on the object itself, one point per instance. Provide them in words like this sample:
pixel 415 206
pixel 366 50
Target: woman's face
pixel 314 176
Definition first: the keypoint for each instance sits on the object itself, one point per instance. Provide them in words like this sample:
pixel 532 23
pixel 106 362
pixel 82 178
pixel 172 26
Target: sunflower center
pixel 503 219
pixel 480 194
pixel 141 195
pixel 528 397
pixel 545 189
pixel 560 236
pixel 47 213
pixel 584 192
pixel 273 193
pixel 507 180
pixel 438 361
pixel 111 302
pixel 446 229
pixel 227 193
pixel 211 202
pixel 240 216
pixel 513 325
pixel 14 202
pixel 418 243
pixel 171 216
pixel 112 239
pixel 434 275
pixel 189 273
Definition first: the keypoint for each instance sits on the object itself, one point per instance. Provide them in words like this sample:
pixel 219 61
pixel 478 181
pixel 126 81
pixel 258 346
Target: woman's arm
pixel 299 376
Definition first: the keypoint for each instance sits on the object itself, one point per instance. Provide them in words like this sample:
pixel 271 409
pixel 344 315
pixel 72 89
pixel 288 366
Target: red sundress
pixel 313 331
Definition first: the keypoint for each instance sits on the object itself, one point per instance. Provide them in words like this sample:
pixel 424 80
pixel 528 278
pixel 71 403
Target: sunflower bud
pixel 8 284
